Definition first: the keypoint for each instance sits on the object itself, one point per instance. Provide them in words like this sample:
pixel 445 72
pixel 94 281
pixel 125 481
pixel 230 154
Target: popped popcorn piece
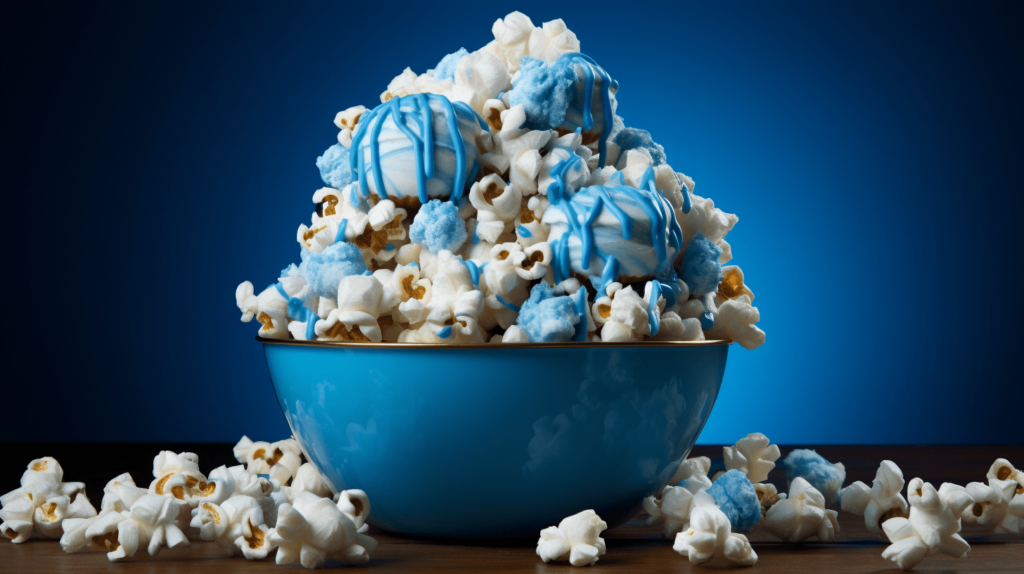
pixel 356 505
pixel 236 526
pixel 479 77
pixel 753 456
pixel 312 529
pixel 802 515
pixel 1001 469
pixel 737 499
pixel 735 319
pixel 768 495
pixel 710 535
pixel 100 530
pixel 149 524
pixel 672 510
pixel 880 502
pixel 826 477
pixel 42 503
pixel 309 479
pixel 515 36
pixel 932 526
pixel 697 467
pixel 280 460
pixel 996 506
pixel 576 539
pixel 360 303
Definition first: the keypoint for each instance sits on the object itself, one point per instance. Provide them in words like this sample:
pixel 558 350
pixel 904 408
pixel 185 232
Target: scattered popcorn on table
pixel 119 495
pixel 802 515
pixel 526 178
pixel 1001 469
pixel 932 527
pixel 279 460
pixel 737 499
pixel 312 529
pixel 696 468
pixel 576 539
pixel 236 526
pixel 767 495
pixel 42 503
pixel 150 524
pixel 995 506
pixel 825 477
pixel 710 535
pixel 880 502
pixel 753 456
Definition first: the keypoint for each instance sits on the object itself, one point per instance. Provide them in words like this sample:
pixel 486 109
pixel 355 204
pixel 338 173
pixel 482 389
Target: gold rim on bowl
pixel 586 345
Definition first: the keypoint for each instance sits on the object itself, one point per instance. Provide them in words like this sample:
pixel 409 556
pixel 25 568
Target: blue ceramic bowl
pixel 496 440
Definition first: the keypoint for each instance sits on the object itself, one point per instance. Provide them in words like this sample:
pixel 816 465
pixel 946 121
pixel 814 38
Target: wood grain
pixel 632 547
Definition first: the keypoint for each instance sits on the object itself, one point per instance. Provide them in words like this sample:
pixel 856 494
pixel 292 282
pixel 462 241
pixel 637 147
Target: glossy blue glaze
pixel 496 442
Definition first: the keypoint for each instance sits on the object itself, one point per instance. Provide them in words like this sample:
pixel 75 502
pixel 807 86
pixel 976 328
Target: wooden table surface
pixel 632 547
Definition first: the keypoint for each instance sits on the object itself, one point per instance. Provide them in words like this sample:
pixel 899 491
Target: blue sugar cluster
pixel 547 318
pixel 445 69
pixel 820 473
pixel 334 166
pixel 702 270
pixel 437 226
pixel 545 90
pixel 324 271
pixel 291 271
pixel 634 138
pixel 736 497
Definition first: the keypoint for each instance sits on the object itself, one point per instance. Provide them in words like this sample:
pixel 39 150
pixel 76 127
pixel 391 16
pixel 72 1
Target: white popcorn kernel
pixel 151 524
pixel 994 506
pixel 675 328
pixel 802 515
pixel 672 510
pixel 236 526
pixel 356 505
pixel 710 535
pixel 735 320
pixel 280 460
pixel 753 456
pixel 42 503
pixel 932 526
pixel 880 502
pixel 312 529
pixel 493 196
pixel 1001 469
pixel 349 119
pixel 309 479
pixel 246 301
pixel 576 539
pixel 534 262
pixel 360 299
pixel 492 115
pixel 345 138
pixel 479 77
pixel 691 468
pixel 767 495
pixel 494 163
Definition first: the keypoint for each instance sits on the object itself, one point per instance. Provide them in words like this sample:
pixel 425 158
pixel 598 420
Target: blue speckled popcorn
pixel 826 477
pixel 544 90
pixel 445 69
pixel 483 201
pixel 324 271
pixel 438 227
pixel 547 318
pixel 633 138
pixel 334 166
pixel 738 500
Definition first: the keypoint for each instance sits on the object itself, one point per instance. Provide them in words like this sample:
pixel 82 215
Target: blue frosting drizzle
pixel 298 311
pixel 653 319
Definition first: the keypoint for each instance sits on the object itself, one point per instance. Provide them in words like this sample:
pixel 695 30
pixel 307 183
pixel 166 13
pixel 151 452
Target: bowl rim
pixel 582 345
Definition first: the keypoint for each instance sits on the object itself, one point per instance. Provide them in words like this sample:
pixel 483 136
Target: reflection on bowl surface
pixel 496 441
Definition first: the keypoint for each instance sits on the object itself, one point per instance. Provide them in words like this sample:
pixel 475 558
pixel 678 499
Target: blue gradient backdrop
pixel 158 155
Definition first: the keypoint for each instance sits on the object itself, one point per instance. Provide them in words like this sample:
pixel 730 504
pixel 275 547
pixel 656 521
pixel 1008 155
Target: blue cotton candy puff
pixel 736 497
pixel 547 318
pixel 820 473
pixel 437 226
pixel 544 90
pixel 291 271
pixel 445 69
pixel 701 268
pixel 334 166
pixel 633 138
pixel 324 271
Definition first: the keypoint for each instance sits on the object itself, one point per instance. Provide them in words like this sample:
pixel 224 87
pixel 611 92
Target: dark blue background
pixel 160 154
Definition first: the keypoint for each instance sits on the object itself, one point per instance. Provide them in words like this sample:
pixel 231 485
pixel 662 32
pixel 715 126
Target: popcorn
pixel 753 456
pixel 280 460
pixel 524 151
pixel 236 526
pixel 710 535
pixel 311 529
pixel 1001 469
pixel 737 499
pixel 356 505
pixel 995 506
pixel 693 468
pixel 879 503
pixel 576 539
pixel 826 477
pixel 42 503
pixel 672 510
pixel 932 526
pixel 150 523
pixel 768 495
pixel 802 515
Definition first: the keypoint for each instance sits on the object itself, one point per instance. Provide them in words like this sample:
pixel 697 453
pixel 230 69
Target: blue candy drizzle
pixel 298 311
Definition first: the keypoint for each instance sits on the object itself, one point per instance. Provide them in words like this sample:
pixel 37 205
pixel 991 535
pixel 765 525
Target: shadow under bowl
pixel 496 441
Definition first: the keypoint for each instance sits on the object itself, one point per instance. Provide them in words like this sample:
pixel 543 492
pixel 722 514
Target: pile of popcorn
pixel 272 501
pixel 499 197
pixel 275 502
